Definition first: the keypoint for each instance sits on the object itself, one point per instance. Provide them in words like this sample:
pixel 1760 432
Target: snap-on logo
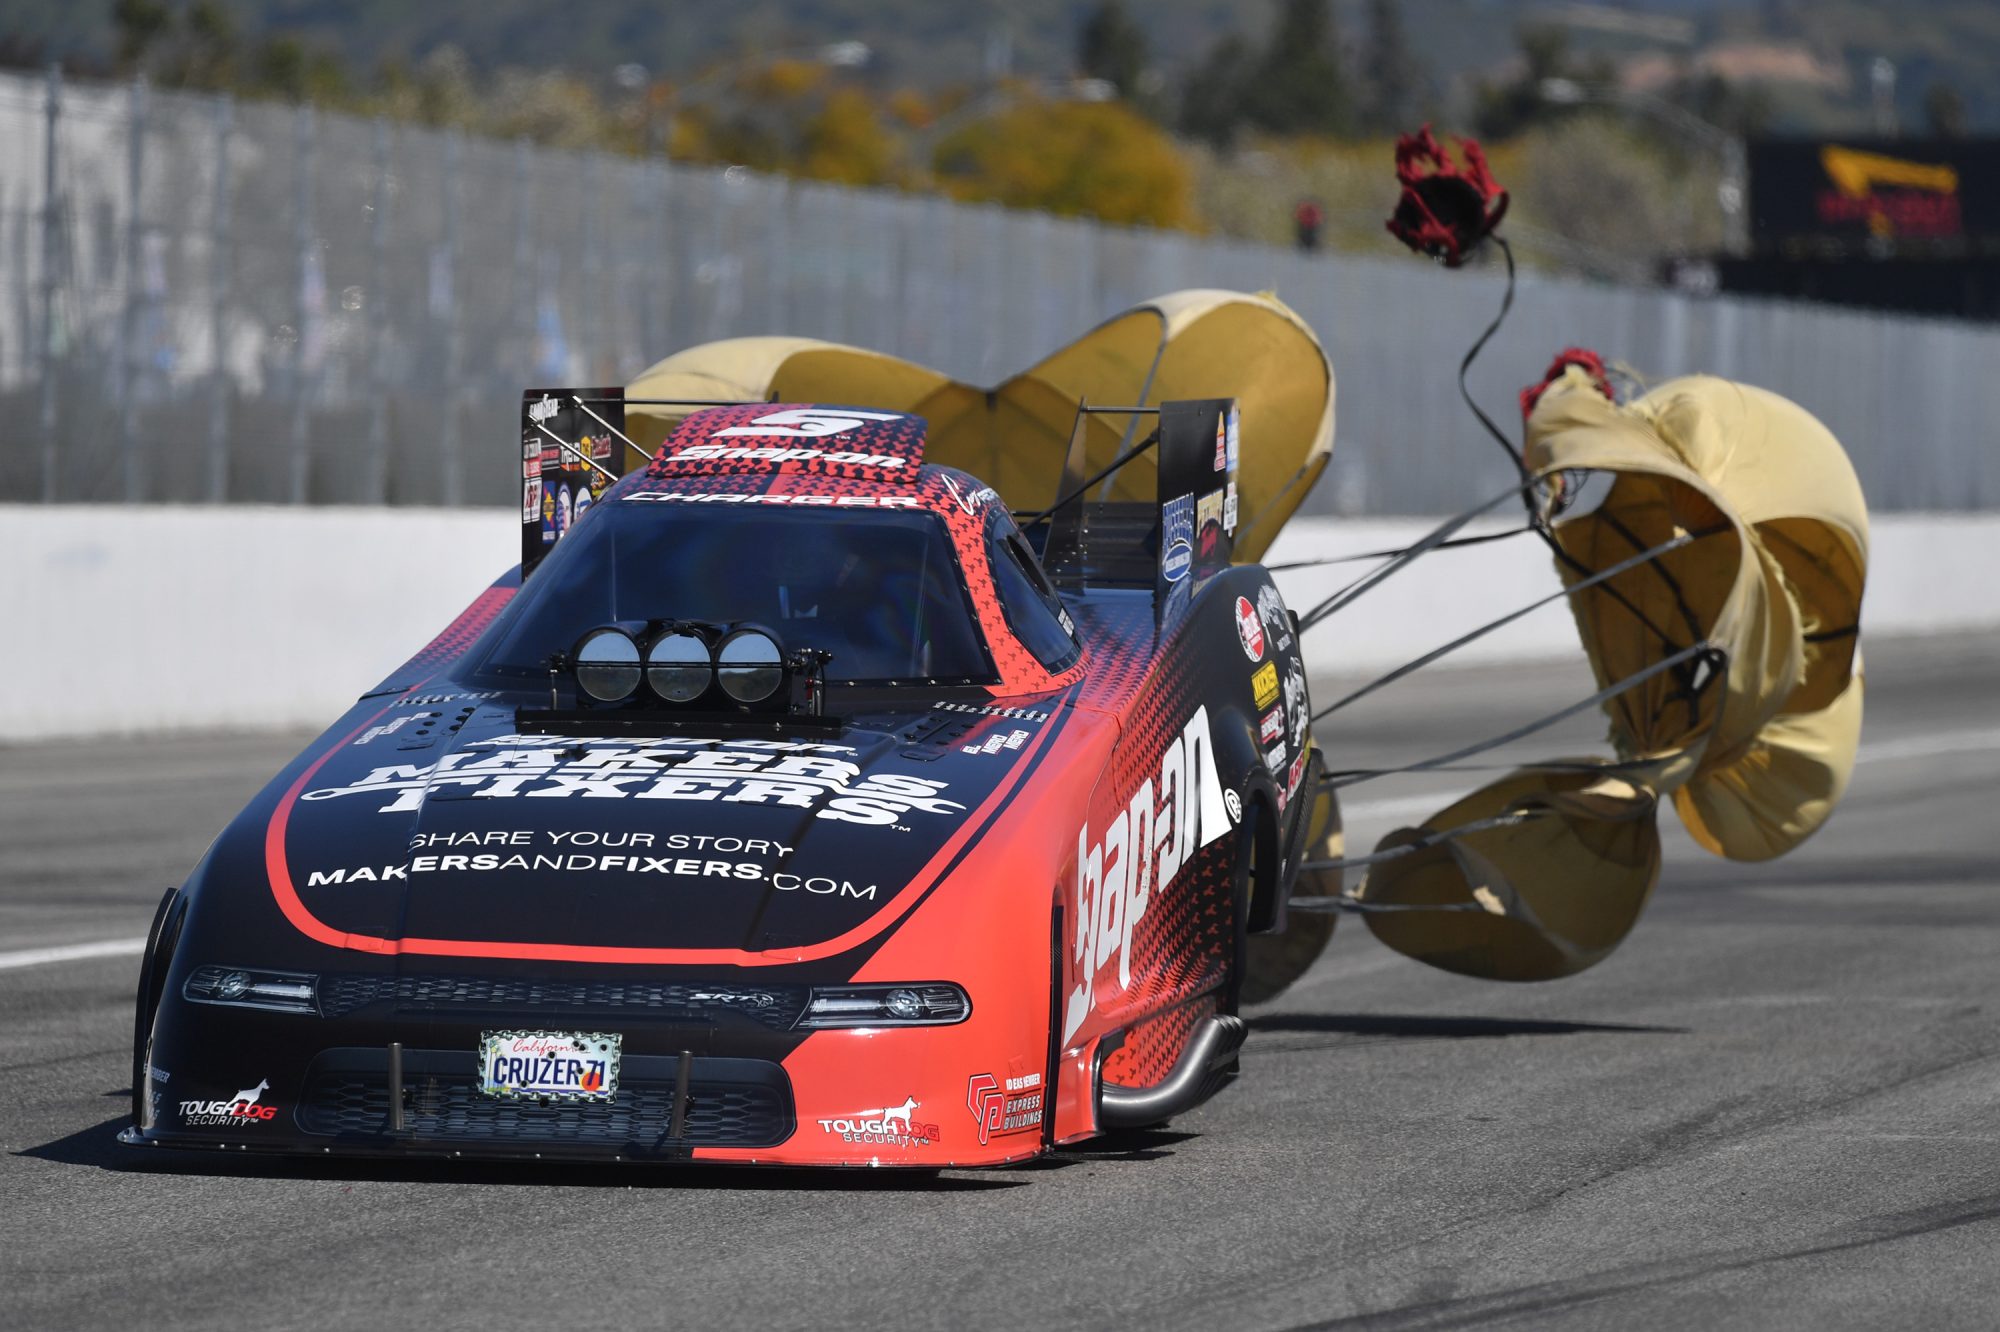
pixel 695 452
pixel 1135 859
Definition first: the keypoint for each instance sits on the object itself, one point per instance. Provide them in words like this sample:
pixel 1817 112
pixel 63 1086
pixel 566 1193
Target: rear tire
pixel 1277 960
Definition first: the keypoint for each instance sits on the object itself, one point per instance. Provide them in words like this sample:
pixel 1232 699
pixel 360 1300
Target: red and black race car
pixel 793 803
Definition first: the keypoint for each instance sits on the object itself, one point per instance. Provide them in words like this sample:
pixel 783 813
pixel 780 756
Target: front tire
pixel 153 964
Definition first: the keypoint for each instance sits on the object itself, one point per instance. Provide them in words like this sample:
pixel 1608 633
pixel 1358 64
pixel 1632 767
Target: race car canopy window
pixel 1031 607
pixel 880 591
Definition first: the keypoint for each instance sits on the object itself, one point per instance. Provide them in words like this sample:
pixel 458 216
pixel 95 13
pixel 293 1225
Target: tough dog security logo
pixel 243 1109
pixel 885 1126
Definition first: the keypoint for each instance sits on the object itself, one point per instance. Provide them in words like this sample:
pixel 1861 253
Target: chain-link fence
pixel 216 301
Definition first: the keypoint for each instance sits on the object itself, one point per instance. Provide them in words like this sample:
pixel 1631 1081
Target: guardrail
pixel 202 300
pixel 255 616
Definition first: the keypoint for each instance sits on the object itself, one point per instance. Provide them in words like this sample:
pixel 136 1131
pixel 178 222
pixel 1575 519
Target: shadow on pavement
pixel 98 1147
pixel 1152 1144
pixel 1415 1027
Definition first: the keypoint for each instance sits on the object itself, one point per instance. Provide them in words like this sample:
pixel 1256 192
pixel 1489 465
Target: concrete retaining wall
pixel 124 620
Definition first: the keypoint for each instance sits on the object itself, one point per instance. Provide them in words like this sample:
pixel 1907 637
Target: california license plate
pixel 549 1065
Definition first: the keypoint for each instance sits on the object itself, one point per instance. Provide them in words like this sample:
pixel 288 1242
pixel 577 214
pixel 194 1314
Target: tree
pixel 1392 72
pixel 1094 159
pixel 1112 47
pixel 1299 87
pixel 846 142
pixel 140 24
pixel 1944 108
pixel 1509 108
pixel 1212 98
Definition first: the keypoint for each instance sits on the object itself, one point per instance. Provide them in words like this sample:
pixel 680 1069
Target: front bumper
pixel 756 1090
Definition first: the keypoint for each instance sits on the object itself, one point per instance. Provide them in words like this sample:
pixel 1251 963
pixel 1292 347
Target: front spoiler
pixel 412 1149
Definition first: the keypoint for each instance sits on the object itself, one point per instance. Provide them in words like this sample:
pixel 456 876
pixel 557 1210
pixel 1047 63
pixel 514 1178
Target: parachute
pixel 1752 733
pixel 1716 589
pixel 1016 436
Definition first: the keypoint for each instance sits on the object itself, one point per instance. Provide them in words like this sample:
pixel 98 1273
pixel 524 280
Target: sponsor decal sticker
pixel 1000 1107
pixel 837 501
pixel 1274 758
pixel 531 499
pixel 970 503
pixel 787 774
pixel 1229 508
pixel 1296 775
pixel 549 514
pixel 998 742
pixel 243 1110
pixel 1177 537
pixel 1250 630
pixel 1221 445
pixel 1208 523
pixel 1231 433
pixel 543 411
pixel 1136 857
pixel 1277 620
pixel 987 710
pixel 638 858
pixel 1295 704
pixel 1271 726
pixel 697 452
pixel 1264 684
pixel 889 1126
pixel 391 727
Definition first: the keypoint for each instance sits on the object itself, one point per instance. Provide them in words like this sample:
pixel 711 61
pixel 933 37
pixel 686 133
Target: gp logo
pixel 804 423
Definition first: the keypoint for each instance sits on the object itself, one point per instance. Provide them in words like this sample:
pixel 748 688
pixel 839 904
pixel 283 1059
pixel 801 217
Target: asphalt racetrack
pixel 1778 1106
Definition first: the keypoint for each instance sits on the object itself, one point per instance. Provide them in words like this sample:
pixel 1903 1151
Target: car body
pixel 990 894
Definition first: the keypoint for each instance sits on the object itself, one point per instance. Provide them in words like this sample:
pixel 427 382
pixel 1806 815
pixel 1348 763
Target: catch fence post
pixel 302 238
pixel 51 248
pixel 522 306
pixel 454 351
pixel 218 306
pixel 127 371
pixel 375 306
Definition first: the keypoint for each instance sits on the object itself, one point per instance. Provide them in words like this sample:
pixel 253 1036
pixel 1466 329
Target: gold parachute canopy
pixel 1016 436
pixel 1754 743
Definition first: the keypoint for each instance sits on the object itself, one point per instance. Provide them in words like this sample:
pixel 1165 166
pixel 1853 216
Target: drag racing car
pixel 794 802
pixel 866 768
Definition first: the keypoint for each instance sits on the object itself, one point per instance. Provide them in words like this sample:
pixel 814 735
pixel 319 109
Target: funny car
pixel 794 802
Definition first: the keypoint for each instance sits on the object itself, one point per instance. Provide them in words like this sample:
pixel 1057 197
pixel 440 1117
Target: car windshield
pixel 880 591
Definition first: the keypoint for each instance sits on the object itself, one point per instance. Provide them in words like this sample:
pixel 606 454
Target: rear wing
pixel 1186 534
pixel 573 446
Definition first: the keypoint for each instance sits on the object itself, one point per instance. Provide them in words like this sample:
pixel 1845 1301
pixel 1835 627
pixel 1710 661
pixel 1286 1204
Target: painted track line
pixel 35 957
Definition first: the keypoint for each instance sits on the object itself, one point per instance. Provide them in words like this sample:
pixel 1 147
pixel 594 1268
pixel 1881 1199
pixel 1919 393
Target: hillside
pixel 939 42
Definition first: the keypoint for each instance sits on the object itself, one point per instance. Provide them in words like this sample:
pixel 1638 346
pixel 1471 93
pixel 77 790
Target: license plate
pixel 549 1065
